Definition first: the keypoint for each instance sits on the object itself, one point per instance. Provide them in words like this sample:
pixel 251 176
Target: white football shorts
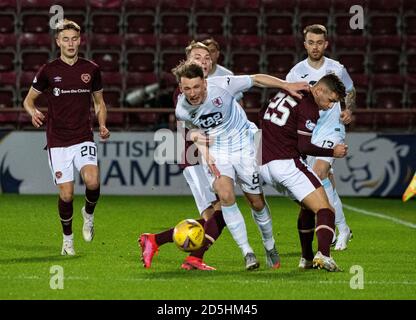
pixel 62 160
pixel 291 176
pixel 329 142
pixel 200 186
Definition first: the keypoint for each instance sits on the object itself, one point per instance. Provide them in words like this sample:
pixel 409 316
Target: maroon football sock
pixel 65 213
pixel 306 230
pixel 91 198
pixel 213 228
pixel 166 236
pixel 325 226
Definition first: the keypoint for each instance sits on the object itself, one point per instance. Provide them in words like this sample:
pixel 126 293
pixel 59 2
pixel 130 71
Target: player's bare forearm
pixel 29 105
pixel 266 81
pixel 350 100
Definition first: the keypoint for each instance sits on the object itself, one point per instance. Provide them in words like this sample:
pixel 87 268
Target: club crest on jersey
pixel 85 77
pixel 310 125
pixel 58 174
pixel 217 102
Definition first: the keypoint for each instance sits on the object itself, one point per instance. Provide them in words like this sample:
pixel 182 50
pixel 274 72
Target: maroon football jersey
pixel 285 123
pixel 68 90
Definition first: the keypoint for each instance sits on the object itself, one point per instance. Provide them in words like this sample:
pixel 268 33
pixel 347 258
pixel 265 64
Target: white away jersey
pixel 329 123
pixel 220 116
pixel 221 71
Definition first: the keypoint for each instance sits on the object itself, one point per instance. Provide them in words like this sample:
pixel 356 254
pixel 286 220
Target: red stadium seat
pixel 140 41
pixel 170 59
pixel 174 41
pixel 79 17
pixel 140 22
pixel 26 78
pixel 106 4
pixel 35 22
pixel 279 42
pixel 244 5
pixel 6 5
pixel 383 42
pixel 176 23
pixel 7 98
pixel 244 23
pixel 380 81
pixel 306 19
pixel 361 99
pixel 245 62
pixel 41 101
pixel 383 24
pixel 141 5
pixel 105 22
pixel 314 6
pixel 210 6
pixel 346 42
pixel 112 79
pixel 384 5
pixel 279 24
pixel 409 5
pixel 211 23
pixel 141 61
pixel 140 79
pixel 112 97
pixel 107 60
pixel 253 98
pixel 410 62
pixel 355 62
pixel 246 42
pixel 177 5
pixel 385 61
pixel 36 4
pixel 361 81
pixel 278 63
pixel 387 99
pixel 36 40
pixel 409 24
pixel 8 78
pixel 115 119
pixel 7 22
pixel 7 61
pixel 106 41
pixel 9 119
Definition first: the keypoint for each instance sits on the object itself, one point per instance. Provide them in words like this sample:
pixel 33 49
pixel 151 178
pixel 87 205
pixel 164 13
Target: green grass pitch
pixel 109 267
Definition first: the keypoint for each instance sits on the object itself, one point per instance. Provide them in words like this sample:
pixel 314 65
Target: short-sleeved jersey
pixel 284 119
pixel 68 90
pixel 329 122
pixel 219 116
pixel 221 71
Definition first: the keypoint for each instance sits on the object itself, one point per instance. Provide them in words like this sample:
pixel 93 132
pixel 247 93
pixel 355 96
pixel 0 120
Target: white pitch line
pixel 380 215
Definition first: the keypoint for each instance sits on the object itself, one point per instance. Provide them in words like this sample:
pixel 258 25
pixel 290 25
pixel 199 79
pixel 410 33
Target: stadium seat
pixel 410 62
pixel 274 42
pixel 112 97
pixel 210 23
pixel 8 78
pixel 26 78
pixel 106 4
pixel 140 61
pixel 411 98
pixel 140 41
pixel 141 5
pixel 7 60
pixel 245 62
pixel 8 5
pixel 306 19
pixel 140 22
pixel 175 23
pixel 246 42
pixel 361 80
pixel 244 23
pixel 140 79
pixel 355 62
pixel 279 63
pixel 36 40
pixel 314 6
pixel 105 22
pixel 33 22
pixel 383 24
pixel 279 24
pixel 108 60
pixel 210 6
pixel 170 59
pixel 409 24
pixel 244 5
pixel 112 79
pixel 79 17
pixel 361 99
pixel 409 5
pixel 106 41
pixel 253 98
pixel 385 61
pixel 384 5
pixel 115 119
pixel 7 22
pixel 177 5
pixel 342 26
pixel 386 41
pixel 7 98
pixel 41 101
pixel 9 119
pixel 36 4
pixel 347 42
pixel 174 41
pixel 387 99
pixel 380 81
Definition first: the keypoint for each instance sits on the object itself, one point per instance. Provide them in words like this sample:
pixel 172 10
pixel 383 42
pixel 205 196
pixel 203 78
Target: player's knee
pixel 227 197
pixel 257 204
pixel 92 184
pixel 66 196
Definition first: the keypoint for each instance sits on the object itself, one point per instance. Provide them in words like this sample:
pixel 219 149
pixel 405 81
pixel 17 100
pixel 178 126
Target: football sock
pixel 263 220
pixel 340 221
pixel 213 228
pixel 235 223
pixel 306 229
pixel 91 198
pixel 166 236
pixel 325 229
pixel 65 213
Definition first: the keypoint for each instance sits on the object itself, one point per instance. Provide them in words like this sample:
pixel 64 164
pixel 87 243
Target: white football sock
pixel 340 221
pixel 68 237
pixel 235 223
pixel 264 222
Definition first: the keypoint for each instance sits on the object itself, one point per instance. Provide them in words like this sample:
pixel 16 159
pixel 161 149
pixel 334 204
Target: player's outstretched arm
pixel 346 115
pixel 101 113
pixel 266 81
pixel 29 105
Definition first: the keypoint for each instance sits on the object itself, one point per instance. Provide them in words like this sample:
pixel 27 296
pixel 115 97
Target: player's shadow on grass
pixel 37 259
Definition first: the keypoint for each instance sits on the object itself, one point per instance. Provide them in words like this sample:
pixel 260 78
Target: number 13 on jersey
pixel 278 103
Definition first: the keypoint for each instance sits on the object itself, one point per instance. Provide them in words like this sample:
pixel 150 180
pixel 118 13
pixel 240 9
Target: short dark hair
pixel 188 70
pixel 316 29
pixel 334 83
pixel 210 41
pixel 66 25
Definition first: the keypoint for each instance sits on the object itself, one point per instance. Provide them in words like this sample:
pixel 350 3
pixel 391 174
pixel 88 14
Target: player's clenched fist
pixel 37 118
pixel 104 133
pixel 340 150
